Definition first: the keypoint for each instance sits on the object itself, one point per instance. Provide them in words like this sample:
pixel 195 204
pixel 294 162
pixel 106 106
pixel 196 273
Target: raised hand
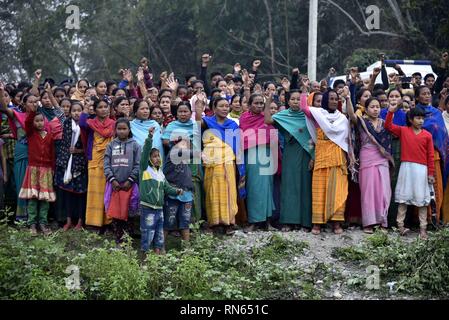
pixel 245 77
pixel 151 131
pixel 285 84
pixel 38 74
pixel 163 76
pixel 140 75
pixel 295 71
pixel 127 75
pixel 171 83
pixel 237 68
pixel 256 64
pixel 48 87
pixel 2 86
pixel 332 71
pixel 346 93
pixel 205 59
pixel 445 57
pixel 376 72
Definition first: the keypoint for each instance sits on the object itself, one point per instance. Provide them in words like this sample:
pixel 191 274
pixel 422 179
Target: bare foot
pixel 423 234
pixel 337 228
pixel 316 230
pixel 368 230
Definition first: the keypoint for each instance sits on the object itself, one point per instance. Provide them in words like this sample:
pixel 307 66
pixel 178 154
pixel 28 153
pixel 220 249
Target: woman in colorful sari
pixel 261 149
pixel 330 173
pixel 221 156
pixel 100 131
pixel 375 156
pixel 297 163
pixel 17 117
pixel 434 123
pixel 184 127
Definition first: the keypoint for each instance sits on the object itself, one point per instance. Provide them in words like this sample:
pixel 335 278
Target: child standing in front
pixel 37 185
pixel 416 173
pixel 121 168
pixel 153 187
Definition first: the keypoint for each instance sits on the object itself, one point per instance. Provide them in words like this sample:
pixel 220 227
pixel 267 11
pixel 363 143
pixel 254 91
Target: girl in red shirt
pixel 37 185
pixel 416 173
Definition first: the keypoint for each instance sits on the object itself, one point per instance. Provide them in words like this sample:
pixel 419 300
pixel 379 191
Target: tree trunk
pixel 270 34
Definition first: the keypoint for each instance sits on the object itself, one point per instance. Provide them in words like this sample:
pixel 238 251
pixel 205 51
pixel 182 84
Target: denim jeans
pixel 177 214
pixel 151 228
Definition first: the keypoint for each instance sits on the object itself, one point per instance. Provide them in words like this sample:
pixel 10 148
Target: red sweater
pixel 416 148
pixel 41 150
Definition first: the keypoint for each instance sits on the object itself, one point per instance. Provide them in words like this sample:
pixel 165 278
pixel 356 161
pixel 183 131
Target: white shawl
pixel 335 126
pixel 75 135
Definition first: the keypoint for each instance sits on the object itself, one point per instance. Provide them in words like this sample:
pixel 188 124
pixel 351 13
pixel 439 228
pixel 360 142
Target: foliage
pixel 419 267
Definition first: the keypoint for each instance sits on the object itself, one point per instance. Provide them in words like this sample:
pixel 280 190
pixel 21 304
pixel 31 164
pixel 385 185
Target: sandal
pixel 368 230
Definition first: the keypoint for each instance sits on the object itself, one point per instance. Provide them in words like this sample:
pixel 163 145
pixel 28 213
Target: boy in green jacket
pixel 153 187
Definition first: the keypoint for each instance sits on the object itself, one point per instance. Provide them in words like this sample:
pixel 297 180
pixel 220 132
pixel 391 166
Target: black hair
pixel 252 97
pixel 109 84
pixel 97 83
pixel 418 91
pixel 14 93
pixel 337 83
pixel 85 80
pixel 359 94
pixel 237 96
pixel 367 102
pixel 59 89
pixel 238 79
pixel 216 101
pixel 197 81
pixel 64 99
pixel 97 102
pixel 394 89
pixel 378 93
pixel 417 74
pixel 125 121
pixel 136 105
pixel 188 76
pixel 159 97
pixel 429 75
pixel 378 87
pixel 75 103
pixel 287 97
pixel 266 84
pixel 216 73
pixel 26 97
pixel 118 101
pixel 415 112
pixel 174 109
pixel 181 87
pixel 446 101
pixel 50 81
pixel 24 85
pixel 118 89
pixel 214 90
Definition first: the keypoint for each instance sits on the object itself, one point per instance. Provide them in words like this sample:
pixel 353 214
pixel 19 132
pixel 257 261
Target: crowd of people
pixel 227 150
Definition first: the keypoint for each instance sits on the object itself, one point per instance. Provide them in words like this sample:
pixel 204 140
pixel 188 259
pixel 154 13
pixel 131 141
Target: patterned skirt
pixel 38 184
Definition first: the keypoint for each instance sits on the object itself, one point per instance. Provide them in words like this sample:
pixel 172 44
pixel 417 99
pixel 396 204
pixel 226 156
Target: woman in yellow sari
pixel 221 156
pixel 99 131
pixel 330 173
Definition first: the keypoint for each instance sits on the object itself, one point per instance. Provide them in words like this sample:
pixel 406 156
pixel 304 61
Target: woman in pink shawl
pixel 260 142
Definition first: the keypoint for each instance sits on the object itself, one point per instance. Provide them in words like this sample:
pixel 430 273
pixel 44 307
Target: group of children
pixel 289 155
